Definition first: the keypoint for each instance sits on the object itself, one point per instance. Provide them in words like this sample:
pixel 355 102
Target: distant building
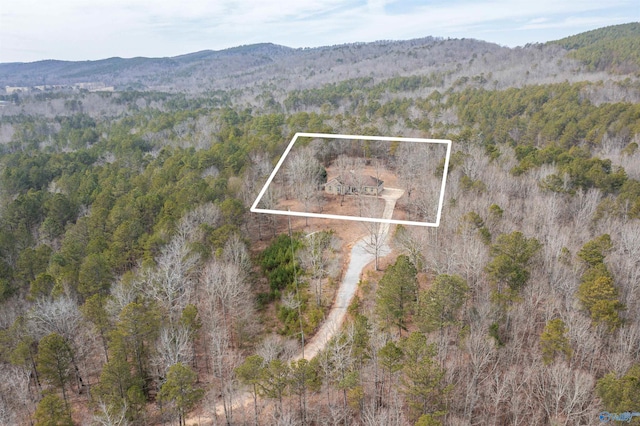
pixel 88 85
pixel 352 185
pixel 16 89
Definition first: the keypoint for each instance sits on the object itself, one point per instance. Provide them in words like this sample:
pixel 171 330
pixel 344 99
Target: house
pixel 352 185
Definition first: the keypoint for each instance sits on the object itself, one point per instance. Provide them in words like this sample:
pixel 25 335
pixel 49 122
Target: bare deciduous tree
pixel 173 346
pixel 391 414
pixel 60 316
pixel 482 364
pixel 276 347
pixel 235 252
pixel 319 260
pixel 303 175
pixel 110 416
pixel 224 360
pixel 188 227
pixel 15 397
pixel 564 394
pixel 409 166
pixel 376 232
pixel 171 282
pixel 269 201
pixel 256 176
pixel 227 293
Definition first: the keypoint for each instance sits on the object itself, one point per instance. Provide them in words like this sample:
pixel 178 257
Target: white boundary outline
pixel 255 209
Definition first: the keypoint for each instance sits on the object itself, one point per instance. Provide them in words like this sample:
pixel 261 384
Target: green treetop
pixel 397 292
pixel 554 341
pixel 179 389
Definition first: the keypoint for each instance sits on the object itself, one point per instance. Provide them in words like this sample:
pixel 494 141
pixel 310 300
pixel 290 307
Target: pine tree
pixel 620 394
pixel 600 297
pixel 508 270
pixel 428 420
pixel 554 341
pixel 276 380
pixel 51 411
pixel 94 310
pixel 440 305
pixel 397 293
pixel 594 251
pixel 118 388
pixel 138 328
pixel 390 356
pixel 597 291
pixel 180 390
pixel 41 286
pixel 251 373
pixel 94 276
pixel 303 378
pixel 190 319
pixel 55 362
pixel 423 380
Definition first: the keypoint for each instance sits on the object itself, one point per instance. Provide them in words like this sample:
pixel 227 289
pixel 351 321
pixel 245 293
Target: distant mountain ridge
pixel 606 49
pixel 110 69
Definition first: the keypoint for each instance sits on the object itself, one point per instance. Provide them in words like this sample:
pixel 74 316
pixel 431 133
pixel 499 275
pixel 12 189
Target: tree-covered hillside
pixel 614 48
pixel 137 288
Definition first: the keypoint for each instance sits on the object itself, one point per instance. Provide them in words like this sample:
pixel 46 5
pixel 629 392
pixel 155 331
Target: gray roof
pixel 351 180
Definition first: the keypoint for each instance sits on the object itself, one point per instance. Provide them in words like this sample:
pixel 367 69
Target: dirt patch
pixel 348 231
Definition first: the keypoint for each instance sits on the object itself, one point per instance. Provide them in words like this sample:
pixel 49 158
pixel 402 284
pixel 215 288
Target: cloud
pixel 572 22
pixel 77 29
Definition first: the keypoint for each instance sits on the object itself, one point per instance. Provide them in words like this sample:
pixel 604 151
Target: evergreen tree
pixel 439 306
pixel 179 389
pixel 118 388
pixel 41 286
pixel 94 276
pixel 397 293
pixel 554 341
pixel 599 296
pixel 621 394
pixel 594 251
pixel 276 380
pixel 94 310
pixel 508 270
pixel 190 319
pixel 251 373
pixel 597 291
pixel 138 328
pixel 390 356
pixel 303 378
pixel 423 379
pixel 18 347
pixel 55 361
pixel 52 411
pixel 31 263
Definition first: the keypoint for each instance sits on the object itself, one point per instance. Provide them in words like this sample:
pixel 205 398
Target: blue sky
pixel 33 30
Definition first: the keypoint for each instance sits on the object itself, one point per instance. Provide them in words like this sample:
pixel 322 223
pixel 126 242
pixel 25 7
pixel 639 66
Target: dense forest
pixel 137 288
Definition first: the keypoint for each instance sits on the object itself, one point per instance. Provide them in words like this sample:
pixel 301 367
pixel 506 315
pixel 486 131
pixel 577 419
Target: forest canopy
pixel 135 284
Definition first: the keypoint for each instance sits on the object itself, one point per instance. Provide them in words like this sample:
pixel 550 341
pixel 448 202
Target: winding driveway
pixel 360 257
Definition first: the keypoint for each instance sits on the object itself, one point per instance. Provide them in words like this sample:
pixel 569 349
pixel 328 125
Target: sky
pixel 32 30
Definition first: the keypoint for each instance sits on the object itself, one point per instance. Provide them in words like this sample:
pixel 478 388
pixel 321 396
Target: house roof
pixel 351 180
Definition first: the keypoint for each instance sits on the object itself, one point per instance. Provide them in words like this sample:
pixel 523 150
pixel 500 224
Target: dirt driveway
pixel 359 258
